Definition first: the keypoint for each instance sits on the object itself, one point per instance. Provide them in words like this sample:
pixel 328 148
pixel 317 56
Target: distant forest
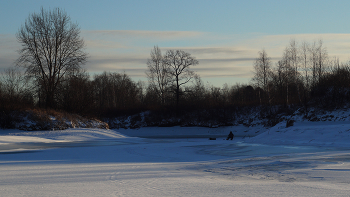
pixel 304 76
pixel 50 75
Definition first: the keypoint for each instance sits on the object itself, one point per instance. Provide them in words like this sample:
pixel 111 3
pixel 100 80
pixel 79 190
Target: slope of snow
pixel 16 140
pixel 333 134
pixel 79 134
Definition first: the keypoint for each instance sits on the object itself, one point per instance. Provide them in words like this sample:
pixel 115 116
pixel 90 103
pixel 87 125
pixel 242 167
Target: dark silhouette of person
pixel 230 136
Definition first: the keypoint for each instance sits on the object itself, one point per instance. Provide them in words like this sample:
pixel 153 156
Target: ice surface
pixel 308 159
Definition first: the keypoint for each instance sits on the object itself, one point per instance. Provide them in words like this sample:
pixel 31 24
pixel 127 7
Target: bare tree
pixel 13 82
pixel 283 78
pixel 179 63
pixel 15 88
pixel 115 91
pixel 76 93
pixel 305 60
pixel 292 53
pixel 262 73
pixel 51 49
pixel 319 58
pixel 158 73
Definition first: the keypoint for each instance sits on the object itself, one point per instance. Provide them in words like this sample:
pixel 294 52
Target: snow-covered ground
pixel 307 159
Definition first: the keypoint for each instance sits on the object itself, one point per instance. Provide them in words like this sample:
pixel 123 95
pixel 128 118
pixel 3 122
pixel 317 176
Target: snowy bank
pixel 334 134
pixel 19 141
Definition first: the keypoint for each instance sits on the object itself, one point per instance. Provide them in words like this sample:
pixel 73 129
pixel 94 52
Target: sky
pixel 225 36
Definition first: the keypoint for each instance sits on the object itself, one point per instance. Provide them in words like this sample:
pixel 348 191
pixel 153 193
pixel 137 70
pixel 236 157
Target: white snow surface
pixel 307 159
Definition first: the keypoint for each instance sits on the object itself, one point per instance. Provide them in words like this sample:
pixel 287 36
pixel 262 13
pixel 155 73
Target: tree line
pixel 304 75
pixel 50 75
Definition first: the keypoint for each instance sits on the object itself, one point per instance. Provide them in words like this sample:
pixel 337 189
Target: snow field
pixel 94 162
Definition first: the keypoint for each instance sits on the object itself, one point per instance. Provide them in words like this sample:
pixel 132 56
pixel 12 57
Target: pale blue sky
pixel 224 36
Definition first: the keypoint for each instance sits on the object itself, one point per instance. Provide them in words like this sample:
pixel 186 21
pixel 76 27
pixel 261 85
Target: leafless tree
pixel 15 89
pixel 115 91
pixel 319 59
pixel 294 57
pixel 179 63
pixel 13 82
pixel 283 78
pixel 51 49
pixel 158 73
pixel 76 93
pixel 262 73
pixel 305 60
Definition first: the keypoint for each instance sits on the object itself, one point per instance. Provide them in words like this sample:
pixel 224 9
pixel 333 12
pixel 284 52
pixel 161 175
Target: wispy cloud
pixel 336 44
pixel 225 60
pixel 141 34
pixel 118 60
pixel 220 71
pixel 211 50
pixel 8 50
pixel 6 62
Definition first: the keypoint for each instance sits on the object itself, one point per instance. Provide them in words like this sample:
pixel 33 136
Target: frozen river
pixel 41 164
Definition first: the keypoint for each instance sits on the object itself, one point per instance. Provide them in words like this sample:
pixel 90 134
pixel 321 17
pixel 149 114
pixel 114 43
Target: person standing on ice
pixel 230 136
